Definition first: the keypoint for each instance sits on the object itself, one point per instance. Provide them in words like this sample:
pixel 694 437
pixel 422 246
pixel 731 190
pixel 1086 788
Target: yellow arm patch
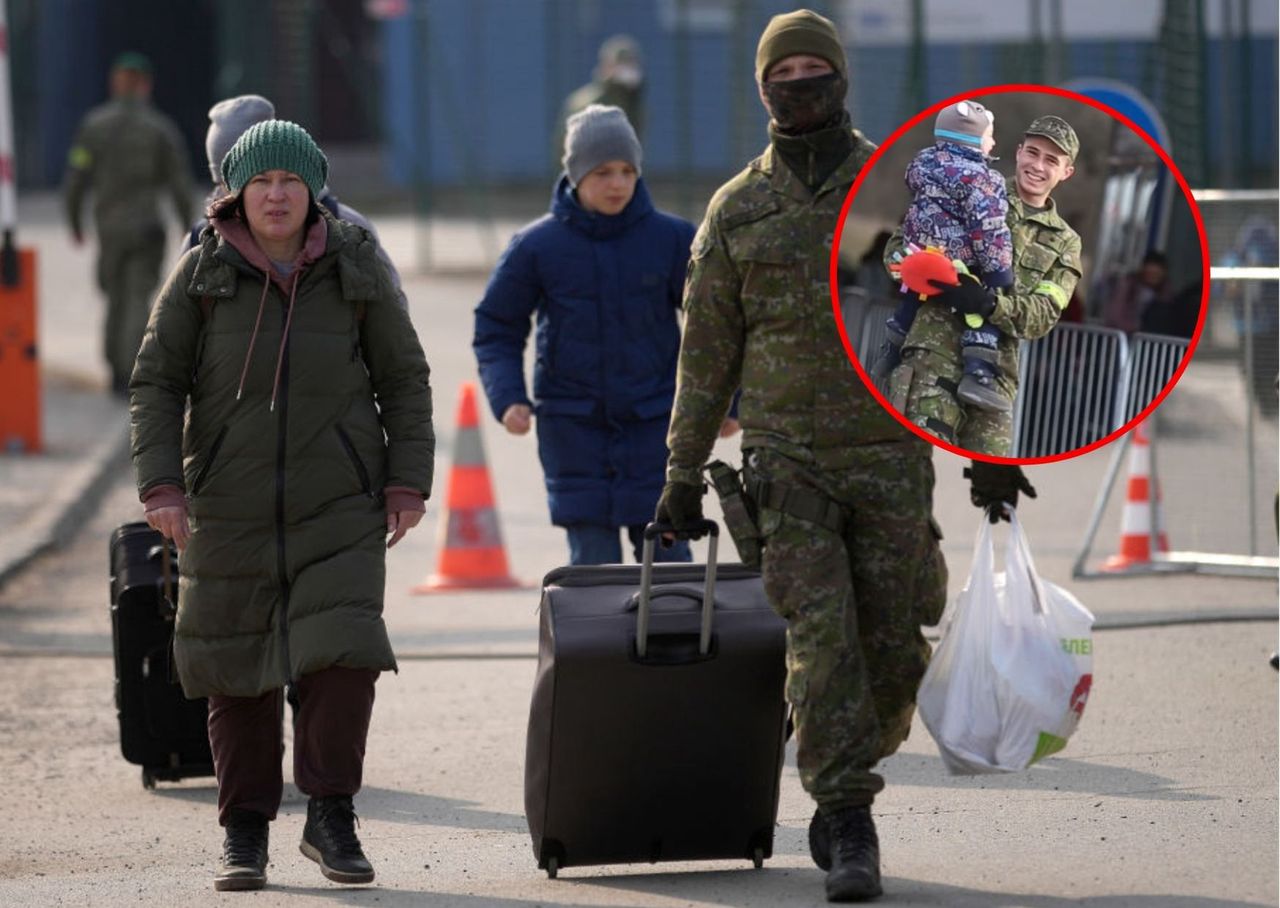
pixel 79 158
pixel 1054 292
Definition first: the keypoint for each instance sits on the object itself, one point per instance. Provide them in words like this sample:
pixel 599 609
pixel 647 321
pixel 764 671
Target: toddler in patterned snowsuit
pixel 959 205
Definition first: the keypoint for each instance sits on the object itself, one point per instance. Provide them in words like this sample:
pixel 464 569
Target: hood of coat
pixel 220 264
pixel 565 207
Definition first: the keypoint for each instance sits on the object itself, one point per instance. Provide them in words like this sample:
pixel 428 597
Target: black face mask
pixel 803 105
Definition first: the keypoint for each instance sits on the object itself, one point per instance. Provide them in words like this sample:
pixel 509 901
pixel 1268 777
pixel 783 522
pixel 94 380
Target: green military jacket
pixel 1046 269
pixel 758 316
pixel 128 154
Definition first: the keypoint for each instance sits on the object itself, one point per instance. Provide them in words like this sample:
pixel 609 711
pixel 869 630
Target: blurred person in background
pixel 281 431
pixel 1137 292
pixel 127 154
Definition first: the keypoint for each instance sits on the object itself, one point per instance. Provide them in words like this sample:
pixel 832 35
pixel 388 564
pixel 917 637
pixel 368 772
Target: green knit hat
pixel 275 145
pixel 800 32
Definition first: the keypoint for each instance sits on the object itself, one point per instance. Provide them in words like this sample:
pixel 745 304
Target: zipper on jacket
pixel 281 562
pixel 356 462
pixel 208 463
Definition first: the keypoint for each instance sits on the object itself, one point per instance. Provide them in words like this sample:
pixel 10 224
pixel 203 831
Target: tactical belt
pixel 947 385
pixel 801 503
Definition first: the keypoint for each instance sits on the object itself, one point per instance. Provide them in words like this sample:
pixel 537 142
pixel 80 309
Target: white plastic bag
pixel 1009 680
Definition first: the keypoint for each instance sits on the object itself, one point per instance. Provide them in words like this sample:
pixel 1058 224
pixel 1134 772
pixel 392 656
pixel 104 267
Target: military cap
pixel 1058 131
pixel 800 32
pixel 132 60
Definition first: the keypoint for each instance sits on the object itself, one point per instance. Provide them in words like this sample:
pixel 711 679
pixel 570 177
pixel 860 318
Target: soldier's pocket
pixel 931 593
pixel 900 386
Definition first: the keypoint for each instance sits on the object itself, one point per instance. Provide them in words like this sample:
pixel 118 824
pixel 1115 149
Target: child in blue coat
pixel 959 204
pixel 601 276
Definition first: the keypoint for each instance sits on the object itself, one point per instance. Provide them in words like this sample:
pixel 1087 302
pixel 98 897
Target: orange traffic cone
pixel 471 552
pixel 1141 507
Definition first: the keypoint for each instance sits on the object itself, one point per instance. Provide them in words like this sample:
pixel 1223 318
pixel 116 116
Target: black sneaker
pixel 855 856
pixel 244 853
pixel 329 839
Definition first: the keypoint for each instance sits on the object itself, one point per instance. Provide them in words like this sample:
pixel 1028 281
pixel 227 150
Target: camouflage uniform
pixel 127 152
pixel 1046 268
pixel 851 556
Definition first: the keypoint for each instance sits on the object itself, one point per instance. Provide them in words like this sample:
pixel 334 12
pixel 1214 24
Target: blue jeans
pixel 601 545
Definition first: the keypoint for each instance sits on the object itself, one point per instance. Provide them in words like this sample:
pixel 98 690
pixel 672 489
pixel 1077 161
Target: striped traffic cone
pixel 470 541
pixel 1141 507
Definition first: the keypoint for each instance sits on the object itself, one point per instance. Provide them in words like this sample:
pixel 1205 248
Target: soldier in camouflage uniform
pixel 843 491
pixel 1046 267
pixel 127 153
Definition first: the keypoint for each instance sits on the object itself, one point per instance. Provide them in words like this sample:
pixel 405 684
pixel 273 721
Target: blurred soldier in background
pixel 127 153
pixel 618 81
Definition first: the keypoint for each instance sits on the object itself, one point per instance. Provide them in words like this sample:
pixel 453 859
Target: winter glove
pixel 994 484
pixel 681 506
pixel 968 297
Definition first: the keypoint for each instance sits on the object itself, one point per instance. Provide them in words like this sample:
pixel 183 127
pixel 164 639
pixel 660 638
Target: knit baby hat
pixel 596 134
pixel 228 119
pixel 964 122
pixel 275 145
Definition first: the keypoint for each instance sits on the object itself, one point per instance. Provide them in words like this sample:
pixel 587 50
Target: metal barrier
pixel 1153 360
pixel 1071 389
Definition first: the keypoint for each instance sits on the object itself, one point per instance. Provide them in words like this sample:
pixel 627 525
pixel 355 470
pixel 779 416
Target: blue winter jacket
pixel 603 291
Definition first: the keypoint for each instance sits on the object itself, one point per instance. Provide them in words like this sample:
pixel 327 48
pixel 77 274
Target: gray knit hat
pixel 964 122
pixel 227 122
pixel 597 134
pixel 275 145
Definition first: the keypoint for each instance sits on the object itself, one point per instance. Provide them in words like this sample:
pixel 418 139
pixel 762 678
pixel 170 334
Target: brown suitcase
pixel 655 733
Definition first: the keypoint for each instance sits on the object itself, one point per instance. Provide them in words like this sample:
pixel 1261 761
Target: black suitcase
pixel 160 729
pixel 655 734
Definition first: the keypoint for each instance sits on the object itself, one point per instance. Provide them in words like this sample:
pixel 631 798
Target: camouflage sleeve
pixel 1033 314
pixel 78 177
pixel 710 364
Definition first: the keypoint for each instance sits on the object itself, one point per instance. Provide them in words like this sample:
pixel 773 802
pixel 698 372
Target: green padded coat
pixel 285 568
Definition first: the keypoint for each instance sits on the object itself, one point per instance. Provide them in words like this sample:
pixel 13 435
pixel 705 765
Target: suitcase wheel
pixel 757 857
pixel 553 867
pixel 148 779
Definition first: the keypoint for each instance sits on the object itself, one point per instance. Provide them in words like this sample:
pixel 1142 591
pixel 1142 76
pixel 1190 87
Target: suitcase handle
pixel 651 534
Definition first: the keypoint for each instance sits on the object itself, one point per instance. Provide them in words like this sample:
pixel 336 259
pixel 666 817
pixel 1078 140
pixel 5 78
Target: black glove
pixel 681 507
pixel 968 297
pixel 995 483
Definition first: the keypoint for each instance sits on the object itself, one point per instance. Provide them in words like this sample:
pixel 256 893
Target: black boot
pixel 329 839
pixel 244 852
pixel 855 856
pixel 820 841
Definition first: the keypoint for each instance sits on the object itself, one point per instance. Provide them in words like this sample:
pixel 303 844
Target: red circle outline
pixel 1010 88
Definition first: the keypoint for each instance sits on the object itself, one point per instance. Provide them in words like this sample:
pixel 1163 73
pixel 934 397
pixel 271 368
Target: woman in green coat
pixel 307 441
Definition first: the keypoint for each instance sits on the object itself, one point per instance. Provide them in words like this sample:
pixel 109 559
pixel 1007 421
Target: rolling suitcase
pixel 160 729
pixel 656 729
